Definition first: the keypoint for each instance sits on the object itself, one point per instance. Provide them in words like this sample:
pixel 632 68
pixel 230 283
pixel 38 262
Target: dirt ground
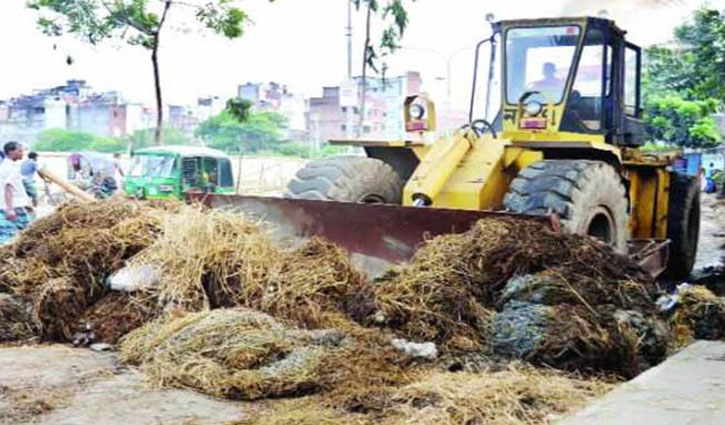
pixel 60 385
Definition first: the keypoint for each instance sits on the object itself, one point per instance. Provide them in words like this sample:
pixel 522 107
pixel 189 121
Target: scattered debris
pixel 416 350
pixel 131 279
pixel 100 347
pixel 84 337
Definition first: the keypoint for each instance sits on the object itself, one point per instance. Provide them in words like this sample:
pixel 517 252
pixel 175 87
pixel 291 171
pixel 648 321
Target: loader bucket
pixel 377 235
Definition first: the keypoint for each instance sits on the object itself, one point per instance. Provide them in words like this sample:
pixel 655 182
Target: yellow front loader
pixel 553 134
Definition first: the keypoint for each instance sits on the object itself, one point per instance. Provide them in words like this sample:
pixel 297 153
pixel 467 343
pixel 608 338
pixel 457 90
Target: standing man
pixel 710 178
pixel 14 201
pixel 117 164
pixel 27 170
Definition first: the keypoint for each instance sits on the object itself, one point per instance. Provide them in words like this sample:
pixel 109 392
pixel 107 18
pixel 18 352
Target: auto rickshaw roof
pixel 183 151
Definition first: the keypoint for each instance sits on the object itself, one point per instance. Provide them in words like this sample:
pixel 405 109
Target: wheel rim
pixel 601 226
pixel 371 199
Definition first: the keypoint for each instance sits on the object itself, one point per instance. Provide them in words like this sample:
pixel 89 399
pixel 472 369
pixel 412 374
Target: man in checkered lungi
pixel 14 200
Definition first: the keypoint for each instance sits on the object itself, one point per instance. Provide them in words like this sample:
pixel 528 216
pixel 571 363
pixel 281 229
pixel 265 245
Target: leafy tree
pixel 394 17
pixel 58 140
pixel 682 122
pixel 260 131
pixel 138 22
pixel 682 82
pixel 145 138
pixel 694 66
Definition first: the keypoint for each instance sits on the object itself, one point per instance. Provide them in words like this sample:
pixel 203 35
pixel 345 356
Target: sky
pixel 299 43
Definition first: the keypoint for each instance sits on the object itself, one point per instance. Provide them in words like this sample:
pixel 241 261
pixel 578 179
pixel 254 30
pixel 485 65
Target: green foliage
pixel 239 108
pixel 58 140
pixel 139 22
pixel 693 66
pixel 685 123
pixel 395 19
pixel 145 138
pixel 657 147
pixel 260 131
pixel 683 83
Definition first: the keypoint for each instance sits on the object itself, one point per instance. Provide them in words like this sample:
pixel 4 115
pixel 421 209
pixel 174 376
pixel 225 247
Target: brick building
pixel 384 119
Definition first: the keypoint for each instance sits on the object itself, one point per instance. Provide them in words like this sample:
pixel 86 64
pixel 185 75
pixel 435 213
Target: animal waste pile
pixel 518 289
pixel 208 302
pixel 59 265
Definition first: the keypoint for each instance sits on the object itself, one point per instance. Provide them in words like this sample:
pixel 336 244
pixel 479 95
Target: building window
pixel 366 129
pixel 355 110
pixel 343 127
pixel 344 109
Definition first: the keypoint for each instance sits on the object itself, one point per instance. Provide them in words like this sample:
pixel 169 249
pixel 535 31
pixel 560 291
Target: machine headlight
pixel 533 109
pixel 417 112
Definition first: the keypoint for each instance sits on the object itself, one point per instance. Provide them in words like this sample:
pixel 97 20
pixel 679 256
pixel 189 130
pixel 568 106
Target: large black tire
pixel 683 226
pixel 347 179
pixel 588 196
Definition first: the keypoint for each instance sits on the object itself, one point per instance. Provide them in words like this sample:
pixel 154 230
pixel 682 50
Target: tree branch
pixel 127 19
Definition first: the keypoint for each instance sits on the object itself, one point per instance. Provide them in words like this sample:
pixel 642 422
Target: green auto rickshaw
pixel 170 172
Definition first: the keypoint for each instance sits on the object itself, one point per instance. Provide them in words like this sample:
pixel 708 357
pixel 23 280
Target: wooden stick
pixel 66 185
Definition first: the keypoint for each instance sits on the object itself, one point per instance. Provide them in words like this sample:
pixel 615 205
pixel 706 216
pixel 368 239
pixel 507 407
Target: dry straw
pixel 245 354
pixel 519 395
pixel 449 289
pixel 61 262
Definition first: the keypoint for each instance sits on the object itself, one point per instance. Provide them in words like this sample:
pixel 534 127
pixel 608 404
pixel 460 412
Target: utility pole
pixel 348 34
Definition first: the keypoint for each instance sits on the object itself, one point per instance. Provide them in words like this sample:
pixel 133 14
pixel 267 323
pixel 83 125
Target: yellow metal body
pixel 472 173
pixel 469 172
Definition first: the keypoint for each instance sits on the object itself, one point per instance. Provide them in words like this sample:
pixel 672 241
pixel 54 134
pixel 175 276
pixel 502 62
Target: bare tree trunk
pixel 157 77
pixel 363 91
pixel 159 101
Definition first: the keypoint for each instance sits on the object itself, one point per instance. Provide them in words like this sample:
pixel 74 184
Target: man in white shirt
pixel 14 200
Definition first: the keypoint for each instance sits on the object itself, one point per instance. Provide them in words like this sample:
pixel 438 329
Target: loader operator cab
pixel 559 76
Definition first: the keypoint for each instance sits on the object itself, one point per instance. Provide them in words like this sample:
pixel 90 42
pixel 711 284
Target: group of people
pixel 18 195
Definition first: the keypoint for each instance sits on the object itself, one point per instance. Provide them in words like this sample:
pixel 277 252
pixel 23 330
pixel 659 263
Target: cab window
pixel 584 112
pixel 539 60
pixel 631 96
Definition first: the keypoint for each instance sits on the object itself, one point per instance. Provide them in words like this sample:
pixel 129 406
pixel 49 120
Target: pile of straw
pixel 700 314
pixel 60 263
pixel 213 259
pixel 449 290
pixel 205 257
pixel 245 354
pixel 312 287
pixel 515 396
